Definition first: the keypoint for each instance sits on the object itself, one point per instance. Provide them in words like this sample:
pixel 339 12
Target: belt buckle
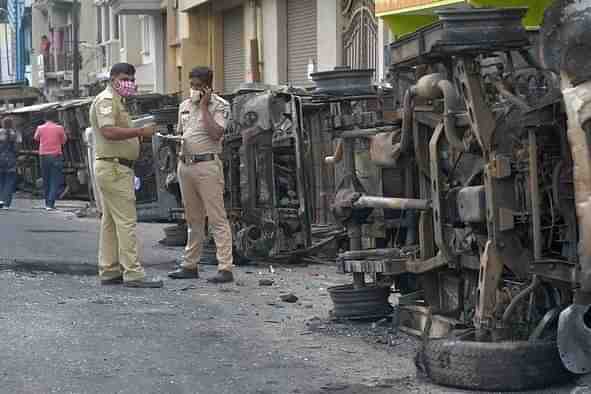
pixel 198 158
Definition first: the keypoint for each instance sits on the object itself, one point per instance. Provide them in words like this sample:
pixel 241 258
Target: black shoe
pixel 112 281
pixel 144 283
pixel 222 277
pixel 183 273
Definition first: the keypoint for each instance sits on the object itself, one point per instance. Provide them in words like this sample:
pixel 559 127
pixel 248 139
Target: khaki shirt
pixel 196 139
pixel 108 110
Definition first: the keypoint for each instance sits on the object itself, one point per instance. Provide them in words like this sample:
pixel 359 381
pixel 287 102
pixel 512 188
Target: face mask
pixel 125 88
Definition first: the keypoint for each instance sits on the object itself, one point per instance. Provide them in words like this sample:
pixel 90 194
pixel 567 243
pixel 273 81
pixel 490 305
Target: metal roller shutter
pixel 234 63
pixel 301 39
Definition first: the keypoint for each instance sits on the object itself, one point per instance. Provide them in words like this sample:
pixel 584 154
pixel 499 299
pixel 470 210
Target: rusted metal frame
pixel 424 266
pixel 480 116
pixel 353 228
pixel 578 106
pixel 535 193
pixel 556 270
pixel 491 269
pixel 304 208
pixel 429 281
pixel 436 194
pixel 444 256
pixel 410 217
pixel 247 177
pixel 315 100
pixel 483 124
pixel 392 203
pixel 364 133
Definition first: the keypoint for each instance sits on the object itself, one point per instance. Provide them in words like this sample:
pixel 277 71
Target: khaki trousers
pixel 118 246
pixel 202 188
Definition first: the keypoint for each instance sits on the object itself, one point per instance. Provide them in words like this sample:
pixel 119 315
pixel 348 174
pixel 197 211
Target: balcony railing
pixel 58 61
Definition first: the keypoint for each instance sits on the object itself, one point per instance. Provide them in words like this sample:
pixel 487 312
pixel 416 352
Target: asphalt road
pixel 29 232
pixel 67 334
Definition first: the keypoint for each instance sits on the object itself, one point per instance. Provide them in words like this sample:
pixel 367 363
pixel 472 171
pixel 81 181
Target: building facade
pixel 277 42
pixel 52 65
pixel 15 41
pixel 133 32
pixel 7 54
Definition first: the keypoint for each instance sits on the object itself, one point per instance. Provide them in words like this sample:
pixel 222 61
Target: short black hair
pixel 51 116
pixel 204 73
pixel 122 68
pixel 8 123
pixel 44 36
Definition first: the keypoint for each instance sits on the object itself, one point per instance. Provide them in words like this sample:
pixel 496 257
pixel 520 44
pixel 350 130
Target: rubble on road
pixel 290 298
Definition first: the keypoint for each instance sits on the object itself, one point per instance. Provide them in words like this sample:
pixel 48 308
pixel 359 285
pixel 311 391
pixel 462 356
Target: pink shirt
pixel 51 137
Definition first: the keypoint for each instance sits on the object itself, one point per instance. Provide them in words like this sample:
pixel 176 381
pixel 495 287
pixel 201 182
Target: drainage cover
pixel 360 303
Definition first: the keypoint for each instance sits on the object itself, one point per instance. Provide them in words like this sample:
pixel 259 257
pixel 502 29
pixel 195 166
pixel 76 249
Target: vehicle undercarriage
pixel 492 131
pixel 465 187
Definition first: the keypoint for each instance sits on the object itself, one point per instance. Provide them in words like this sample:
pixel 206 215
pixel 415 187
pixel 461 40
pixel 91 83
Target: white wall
pixel 274 36
pixel 250 32
pixel 6 54
pixel 40 27
pixel 158 42
pixel 329 34
pixel 274 41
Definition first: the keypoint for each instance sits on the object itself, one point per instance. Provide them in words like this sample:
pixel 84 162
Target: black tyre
pixel 492 366
pixel 360 303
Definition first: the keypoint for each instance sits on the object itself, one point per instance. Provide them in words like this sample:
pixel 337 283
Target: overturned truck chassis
pixel 496 240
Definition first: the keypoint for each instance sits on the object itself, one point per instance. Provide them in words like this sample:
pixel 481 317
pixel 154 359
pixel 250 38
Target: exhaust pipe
pixel 434 86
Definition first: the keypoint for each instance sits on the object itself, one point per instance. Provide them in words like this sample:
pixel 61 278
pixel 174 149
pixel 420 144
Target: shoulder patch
pixel 185 104
pixel 105 106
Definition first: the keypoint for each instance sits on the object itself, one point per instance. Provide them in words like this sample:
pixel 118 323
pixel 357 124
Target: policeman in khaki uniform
pixel 202 120
pixel 117 146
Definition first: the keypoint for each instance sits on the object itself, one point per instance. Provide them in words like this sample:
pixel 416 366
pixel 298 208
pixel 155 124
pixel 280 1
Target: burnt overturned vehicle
pixel 466 187
pixel 492 242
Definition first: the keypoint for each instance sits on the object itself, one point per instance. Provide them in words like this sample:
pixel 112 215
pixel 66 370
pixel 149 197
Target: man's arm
pixel 37 136
pixel 106 122
pixel 214 130
pixel 120 133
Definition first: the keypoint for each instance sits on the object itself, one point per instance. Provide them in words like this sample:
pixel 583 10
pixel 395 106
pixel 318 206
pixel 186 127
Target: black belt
pixel 192 159
pixel 123 162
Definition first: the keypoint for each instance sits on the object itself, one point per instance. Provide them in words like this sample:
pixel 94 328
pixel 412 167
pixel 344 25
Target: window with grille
pixel 146 34
pixel 107 21
pixel 116 27
pixel 99 25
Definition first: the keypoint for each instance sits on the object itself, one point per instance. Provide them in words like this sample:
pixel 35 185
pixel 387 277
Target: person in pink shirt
pixel 51 137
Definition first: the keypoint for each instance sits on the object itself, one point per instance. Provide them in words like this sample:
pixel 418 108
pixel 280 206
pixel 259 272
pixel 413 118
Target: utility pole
pixel 76 46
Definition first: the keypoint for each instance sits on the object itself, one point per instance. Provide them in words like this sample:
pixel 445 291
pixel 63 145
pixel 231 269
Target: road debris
pixel 290 298
pixel 266 282
pixel 315 323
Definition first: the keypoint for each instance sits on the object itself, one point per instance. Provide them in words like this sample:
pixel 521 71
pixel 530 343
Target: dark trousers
pixel 52 171
pixel 7 186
